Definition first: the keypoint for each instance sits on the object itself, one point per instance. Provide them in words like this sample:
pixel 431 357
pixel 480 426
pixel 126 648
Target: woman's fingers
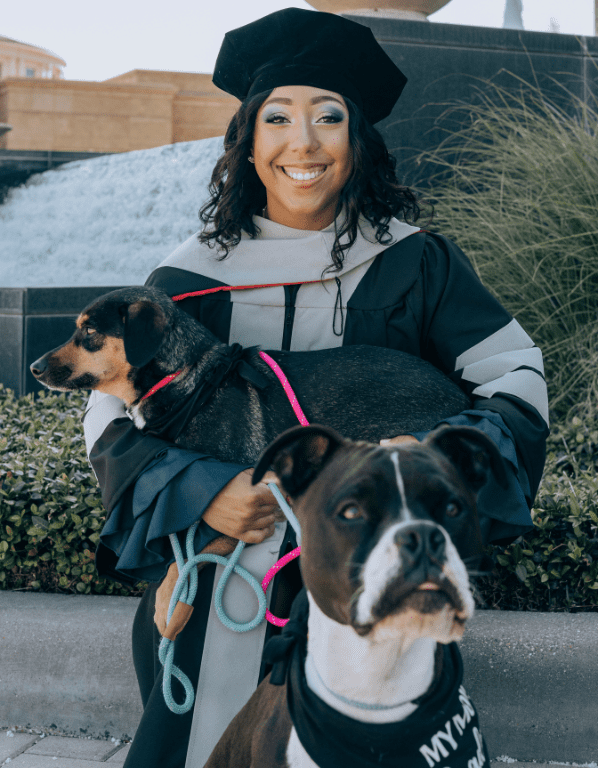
pixel 257 536
pixel 242 508
pixel 163 595
pixel 399 439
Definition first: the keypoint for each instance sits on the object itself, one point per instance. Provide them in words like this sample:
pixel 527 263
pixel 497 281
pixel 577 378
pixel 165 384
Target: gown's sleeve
pixel 150 488
pixel 467 333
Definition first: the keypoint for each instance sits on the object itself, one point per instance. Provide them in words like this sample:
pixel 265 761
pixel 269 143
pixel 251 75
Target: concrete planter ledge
pixel 65 661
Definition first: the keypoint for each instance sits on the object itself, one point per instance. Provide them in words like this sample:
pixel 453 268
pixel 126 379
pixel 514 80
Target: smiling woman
pixel 308 243
pixel 302 155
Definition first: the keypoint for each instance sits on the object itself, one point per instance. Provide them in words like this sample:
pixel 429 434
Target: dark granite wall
pixel 446 63
pixel 443 63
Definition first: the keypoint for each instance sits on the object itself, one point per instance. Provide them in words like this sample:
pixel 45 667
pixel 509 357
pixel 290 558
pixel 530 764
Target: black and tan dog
pixel 226 401
pixel 367 672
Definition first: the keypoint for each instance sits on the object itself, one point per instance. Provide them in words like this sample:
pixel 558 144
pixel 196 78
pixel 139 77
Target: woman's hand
pixel 399 439
pixel 244 511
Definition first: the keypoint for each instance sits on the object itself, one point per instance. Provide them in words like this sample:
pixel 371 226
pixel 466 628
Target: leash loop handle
pixel 185 591
pixel 185 588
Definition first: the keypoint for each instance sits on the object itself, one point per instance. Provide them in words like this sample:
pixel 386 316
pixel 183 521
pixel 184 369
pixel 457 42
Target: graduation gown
pixel 418 294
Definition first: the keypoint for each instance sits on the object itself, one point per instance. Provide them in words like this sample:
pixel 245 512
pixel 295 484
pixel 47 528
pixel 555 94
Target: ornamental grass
pixel 516 186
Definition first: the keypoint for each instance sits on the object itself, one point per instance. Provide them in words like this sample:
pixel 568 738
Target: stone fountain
pixel 414 10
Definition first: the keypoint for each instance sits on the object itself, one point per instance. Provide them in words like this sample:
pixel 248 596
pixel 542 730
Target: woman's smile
pixel 303 155
pixel 307 175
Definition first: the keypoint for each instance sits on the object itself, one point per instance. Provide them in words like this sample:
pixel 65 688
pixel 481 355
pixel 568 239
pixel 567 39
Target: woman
pixel 306 196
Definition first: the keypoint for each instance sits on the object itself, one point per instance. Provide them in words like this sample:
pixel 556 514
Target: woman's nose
pixel 305 136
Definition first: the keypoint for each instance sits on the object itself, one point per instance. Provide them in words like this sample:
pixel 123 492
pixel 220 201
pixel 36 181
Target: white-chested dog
pixel 367 672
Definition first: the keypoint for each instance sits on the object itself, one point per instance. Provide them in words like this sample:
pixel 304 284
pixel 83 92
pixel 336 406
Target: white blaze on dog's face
pixel 387 522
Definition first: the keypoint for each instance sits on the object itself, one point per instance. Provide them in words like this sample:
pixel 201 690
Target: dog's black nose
pixel 38 367
pixel 416 541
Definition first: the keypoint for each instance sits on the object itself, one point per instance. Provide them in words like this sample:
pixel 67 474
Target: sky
pixel 99 40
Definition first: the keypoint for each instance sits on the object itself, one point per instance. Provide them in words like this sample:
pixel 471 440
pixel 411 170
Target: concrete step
pixel 38 749
pixel 65 662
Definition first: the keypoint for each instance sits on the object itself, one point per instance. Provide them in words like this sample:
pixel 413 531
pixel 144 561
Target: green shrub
pixel 51 514
pixel 555 567
pixel 517 189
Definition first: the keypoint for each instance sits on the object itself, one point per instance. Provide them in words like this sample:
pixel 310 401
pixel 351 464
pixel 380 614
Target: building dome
pixel 18 59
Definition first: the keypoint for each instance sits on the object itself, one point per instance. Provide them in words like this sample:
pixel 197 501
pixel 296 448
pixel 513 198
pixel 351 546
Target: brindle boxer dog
pixel 372 677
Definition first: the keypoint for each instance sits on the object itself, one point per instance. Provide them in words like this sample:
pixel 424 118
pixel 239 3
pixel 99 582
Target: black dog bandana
pixel 443 732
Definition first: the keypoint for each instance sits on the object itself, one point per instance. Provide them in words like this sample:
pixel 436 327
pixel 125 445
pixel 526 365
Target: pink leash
pixel 294 404
pixel 288 390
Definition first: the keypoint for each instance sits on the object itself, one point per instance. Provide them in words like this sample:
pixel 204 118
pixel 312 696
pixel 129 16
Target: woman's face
pixel 302 154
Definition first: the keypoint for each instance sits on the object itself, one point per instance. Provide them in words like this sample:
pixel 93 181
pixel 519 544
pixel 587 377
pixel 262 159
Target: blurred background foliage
pixel 51 513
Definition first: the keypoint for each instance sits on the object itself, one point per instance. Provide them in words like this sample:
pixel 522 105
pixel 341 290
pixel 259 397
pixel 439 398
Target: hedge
pixel 555 566
pixel 51 514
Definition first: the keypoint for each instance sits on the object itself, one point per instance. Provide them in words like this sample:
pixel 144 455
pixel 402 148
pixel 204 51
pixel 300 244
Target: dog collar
pixel 162 383
pixel 351 702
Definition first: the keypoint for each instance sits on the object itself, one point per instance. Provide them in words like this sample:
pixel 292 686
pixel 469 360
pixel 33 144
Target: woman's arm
pixel 467 333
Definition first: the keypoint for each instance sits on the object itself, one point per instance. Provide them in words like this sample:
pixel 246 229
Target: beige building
pixel 19 59
pixel 136 110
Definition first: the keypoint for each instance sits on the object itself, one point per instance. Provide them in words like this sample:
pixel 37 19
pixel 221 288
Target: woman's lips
pixel 306 174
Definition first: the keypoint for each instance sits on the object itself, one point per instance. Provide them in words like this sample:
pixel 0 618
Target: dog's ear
pixel 297 456
pixel 472 452
pixel 145 325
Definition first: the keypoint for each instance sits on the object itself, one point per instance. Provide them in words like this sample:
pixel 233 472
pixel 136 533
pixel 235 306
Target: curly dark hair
pixel 372 190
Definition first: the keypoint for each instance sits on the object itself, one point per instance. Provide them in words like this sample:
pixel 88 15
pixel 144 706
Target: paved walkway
pixel 31 748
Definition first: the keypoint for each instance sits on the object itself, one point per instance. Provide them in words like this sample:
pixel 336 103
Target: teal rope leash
pixel 186 586
pixel 185 591
pixel 288 512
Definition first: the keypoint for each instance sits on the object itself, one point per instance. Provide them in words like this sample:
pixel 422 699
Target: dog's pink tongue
pixel 428 586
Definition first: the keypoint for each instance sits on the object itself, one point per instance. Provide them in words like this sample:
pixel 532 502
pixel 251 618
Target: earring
pixel 251 159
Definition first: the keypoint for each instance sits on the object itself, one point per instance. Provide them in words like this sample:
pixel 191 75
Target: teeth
pixel 305 176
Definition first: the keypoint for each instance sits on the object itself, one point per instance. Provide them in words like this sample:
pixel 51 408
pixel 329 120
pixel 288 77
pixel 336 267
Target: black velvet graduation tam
pixel 297 47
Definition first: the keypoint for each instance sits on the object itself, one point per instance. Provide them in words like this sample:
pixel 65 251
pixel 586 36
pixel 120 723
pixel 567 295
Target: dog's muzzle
pixel 414 570
pixel 59 376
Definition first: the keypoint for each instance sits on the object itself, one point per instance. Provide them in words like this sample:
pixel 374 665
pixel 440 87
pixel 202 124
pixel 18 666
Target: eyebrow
pixel 315 100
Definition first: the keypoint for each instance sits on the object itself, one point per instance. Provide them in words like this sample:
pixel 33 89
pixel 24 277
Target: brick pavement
pixel 28 748
pixel 35 749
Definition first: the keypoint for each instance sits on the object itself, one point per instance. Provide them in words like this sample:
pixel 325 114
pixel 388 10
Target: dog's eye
pixel 89 331
pixel 351 512
pixel 452 509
